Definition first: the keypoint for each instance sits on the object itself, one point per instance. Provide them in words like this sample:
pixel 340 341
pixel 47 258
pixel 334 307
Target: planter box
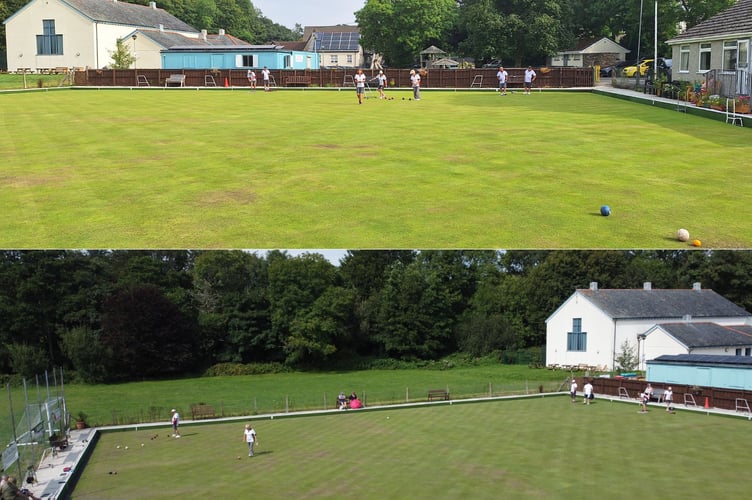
pixel 743 108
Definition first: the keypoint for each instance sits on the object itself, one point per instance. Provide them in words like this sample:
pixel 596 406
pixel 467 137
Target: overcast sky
pixel 309 12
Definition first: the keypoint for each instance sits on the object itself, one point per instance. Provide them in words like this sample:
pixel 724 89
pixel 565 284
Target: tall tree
pixel 295 284
pixel 146 334
pixel 400 29
pixel 231 292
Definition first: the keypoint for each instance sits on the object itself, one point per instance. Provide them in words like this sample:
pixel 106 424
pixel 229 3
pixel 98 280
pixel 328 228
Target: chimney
pixel 153 5
pixel 647 286
pixel 221 32
pixel 203 35
pixel 594 286
pixel 687 318
pixel 161 27
pixel 696 286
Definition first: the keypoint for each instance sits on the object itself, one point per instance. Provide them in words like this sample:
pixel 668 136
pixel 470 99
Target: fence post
pixel 325 401
pixel 407 394
pixel 287 404
pixel 490 390
pixel 255 407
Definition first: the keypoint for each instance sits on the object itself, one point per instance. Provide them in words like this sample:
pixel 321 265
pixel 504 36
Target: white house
pixel 689 337
pixel 591 326
pixel 721 43
pixel 337 46
pixel 83 33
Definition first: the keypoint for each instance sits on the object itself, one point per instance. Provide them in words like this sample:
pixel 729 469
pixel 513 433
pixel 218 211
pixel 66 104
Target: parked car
pixel 646 65
pixel 494 63
pixel 615 69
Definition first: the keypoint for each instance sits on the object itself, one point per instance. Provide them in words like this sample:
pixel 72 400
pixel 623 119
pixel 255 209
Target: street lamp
pixel 134 51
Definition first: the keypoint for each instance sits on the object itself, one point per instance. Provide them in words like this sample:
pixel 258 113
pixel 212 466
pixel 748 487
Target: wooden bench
pixel 441 394
pixel 178 80
pixel 297 80
pixel 60 70
pixel 201 410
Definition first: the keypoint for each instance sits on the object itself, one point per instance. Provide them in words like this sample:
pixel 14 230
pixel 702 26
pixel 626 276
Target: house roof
pixel 662 303
pixel 116 12
pixel 592 45
pixel 444 61
pixel 433 49
pixel 694 335
pixel 299 45
pixel 171 40
pixel 735 20
pixel 340 28
pixel 702 359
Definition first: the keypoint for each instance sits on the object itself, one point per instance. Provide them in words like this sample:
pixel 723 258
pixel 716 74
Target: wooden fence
pixel 397 78
pixel 717 397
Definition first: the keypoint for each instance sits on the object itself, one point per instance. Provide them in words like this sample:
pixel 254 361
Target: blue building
pixel 237 57
pixel 704 370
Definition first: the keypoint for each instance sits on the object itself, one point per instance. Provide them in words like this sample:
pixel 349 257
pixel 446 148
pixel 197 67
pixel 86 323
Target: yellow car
pixel 643 66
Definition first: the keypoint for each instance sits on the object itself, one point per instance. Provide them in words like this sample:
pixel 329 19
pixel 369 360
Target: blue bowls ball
pixel 605 210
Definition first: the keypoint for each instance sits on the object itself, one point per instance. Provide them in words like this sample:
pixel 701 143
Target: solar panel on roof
pixel 345 41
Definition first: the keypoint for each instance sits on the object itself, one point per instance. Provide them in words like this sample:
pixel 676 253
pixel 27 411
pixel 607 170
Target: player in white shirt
pixel 360 85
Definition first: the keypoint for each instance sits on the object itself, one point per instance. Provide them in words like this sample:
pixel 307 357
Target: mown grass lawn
pixel 538 448
pixel 313 169
pixel 247 395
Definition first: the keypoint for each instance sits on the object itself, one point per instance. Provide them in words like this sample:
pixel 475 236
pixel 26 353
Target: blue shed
pixel 705 370
pixel 238 57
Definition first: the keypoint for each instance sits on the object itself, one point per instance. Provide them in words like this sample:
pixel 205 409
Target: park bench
pixel 178 80
pixel 60 70
pixel 441 394
pixel 298 80
pixel 202 410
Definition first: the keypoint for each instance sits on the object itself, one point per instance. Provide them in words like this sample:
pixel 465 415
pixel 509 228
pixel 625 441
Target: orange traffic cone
pixel 707 402
pixel 227 82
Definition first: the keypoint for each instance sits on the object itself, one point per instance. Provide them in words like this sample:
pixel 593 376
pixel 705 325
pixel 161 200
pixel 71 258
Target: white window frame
pixel 684 59
pixel 730 51
pixel 705 49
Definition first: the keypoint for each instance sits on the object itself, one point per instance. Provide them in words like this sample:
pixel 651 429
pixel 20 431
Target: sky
pixel 309 12
pixel 333 255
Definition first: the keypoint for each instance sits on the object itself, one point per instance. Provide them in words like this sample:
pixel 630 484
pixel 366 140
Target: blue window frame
pixel 49 43
pixel 577 339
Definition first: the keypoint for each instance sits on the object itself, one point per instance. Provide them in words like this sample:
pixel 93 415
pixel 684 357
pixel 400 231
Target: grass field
pixel 538 448
pixel 245 395
pixel 312 169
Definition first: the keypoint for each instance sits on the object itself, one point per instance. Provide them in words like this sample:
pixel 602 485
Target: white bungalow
pixel 591 326
pixel 47 34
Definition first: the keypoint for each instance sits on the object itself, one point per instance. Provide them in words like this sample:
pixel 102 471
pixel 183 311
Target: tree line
pixel 522 32
pixel 519 32
pixel 133 315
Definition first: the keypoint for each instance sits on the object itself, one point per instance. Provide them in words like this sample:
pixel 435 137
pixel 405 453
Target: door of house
pixel 742 67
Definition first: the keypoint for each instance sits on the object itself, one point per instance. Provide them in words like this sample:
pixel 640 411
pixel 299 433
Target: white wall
pixel 599 328
pixel 21 39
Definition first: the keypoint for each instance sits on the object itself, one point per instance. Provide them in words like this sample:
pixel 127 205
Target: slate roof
pixel 662 303
pixel 177 41
pixel 694 335
pixel 117 12
pixel 703 359
pixel 735 20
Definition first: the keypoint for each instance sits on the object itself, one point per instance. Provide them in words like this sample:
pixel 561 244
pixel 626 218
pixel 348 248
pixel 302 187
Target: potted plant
pixel 716 102
pixel 81 420
pixel 742 104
